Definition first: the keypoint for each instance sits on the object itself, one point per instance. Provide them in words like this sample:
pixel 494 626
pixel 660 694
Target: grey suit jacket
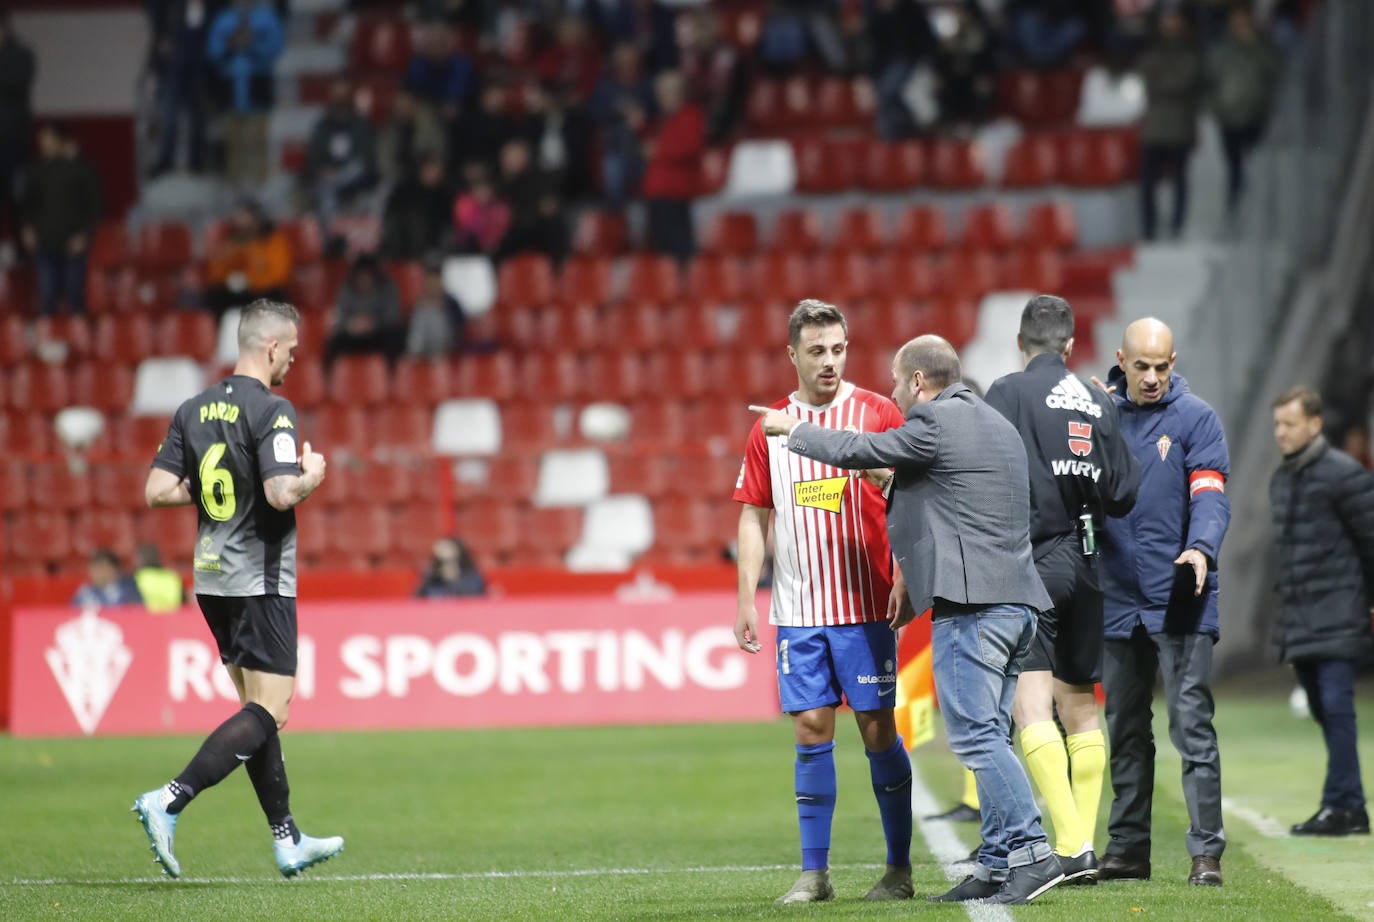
pixel 959 512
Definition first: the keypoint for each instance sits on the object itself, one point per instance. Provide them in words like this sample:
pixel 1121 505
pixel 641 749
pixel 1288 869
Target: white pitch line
pixel 408 876
pixel 946 847
pixel 1266 825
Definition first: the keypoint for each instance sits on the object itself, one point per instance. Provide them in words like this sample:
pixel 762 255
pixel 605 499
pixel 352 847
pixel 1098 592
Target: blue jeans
pixel 1330 687
pixel 61 274
pixel 975 652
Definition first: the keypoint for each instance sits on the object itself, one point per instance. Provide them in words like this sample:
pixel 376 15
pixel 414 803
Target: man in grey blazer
pixel 959 522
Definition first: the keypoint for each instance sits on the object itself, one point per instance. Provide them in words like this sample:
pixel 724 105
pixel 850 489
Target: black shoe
pixel 1333 821
pixel 1080 869
pixel 1206 871
pixel 962 813
pixel 970 888
pixel 1028 881
pixel 1114 867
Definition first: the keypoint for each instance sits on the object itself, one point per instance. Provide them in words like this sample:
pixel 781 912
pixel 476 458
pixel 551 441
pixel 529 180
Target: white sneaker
pixel 294 857
pixel 811 887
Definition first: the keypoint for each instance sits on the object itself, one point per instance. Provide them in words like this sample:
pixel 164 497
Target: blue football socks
pixel 891 774
pixel 815 788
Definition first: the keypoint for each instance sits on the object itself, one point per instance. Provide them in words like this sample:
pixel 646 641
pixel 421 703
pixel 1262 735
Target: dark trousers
pixel 1163 161
pixel 670 227
pixel 1330 687
pixel 178 93
pixel 1128 678
pixel 1237 143
pixel 61 274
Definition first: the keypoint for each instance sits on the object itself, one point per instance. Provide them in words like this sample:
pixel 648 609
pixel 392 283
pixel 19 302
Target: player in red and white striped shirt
pixel 832 599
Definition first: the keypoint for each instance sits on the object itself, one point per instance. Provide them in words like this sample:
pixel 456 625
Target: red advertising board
pixel 468 663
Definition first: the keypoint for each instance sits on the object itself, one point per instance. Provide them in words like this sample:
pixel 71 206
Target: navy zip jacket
pixel 1181 504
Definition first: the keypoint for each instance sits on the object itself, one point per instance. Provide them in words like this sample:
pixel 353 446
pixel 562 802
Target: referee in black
pixel 1080 470
pixel 231 450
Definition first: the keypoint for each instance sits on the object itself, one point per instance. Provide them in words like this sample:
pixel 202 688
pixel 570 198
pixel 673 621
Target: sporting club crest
pixel 88 658
pixel 1162 446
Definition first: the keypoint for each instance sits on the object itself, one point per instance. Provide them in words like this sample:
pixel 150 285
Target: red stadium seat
pixel 680 373
pixel 715 169
pixel 338 428
pixel 119 484
pixel 797 102
pixel 39 386
pixel 189 333
pixel 622 376
pixel 657 423
pixel 1036 270
pixel 684 522
pixel 380 45
pixel 554 375
pixel 574 327
pixel 313 527
pixel 956 164
pixel 922 229
pixel 647 475
pixel 740 27
pixel 491 376
pixel 129 338
pixel 1050 224
pixel 836 103
pixel 115 292
pixel 415 526
pixel 40 535
pixel 421 381
pixel 305 384
pixel 526 281
pixel 972 273
pixel 107 528
pixel 359 380
pixel 825 166
pixel 783 275
pixel 550 530
pixel 1040 97
pixel 491 529
pixel 14 345
pixel 600 233
pixel 107 386
pixel 732 232
pixel 314 286
pixel 716 279
pixel 653 278
pixel 586 279
pixel 987 227
pixel 906 275
pixel 847 276
pixel 359 530
pixel 402 429
pixel 641 326
pixel 110 247
pixel 1089 273
pixel 164 246
pixel 1031 162
pixel 74 332
pixel 59 486
pixel 409 277
pixel 1105 157
pixel 763 110
pixel 307 243
pixel 701 325
pixel 859 229
pixel 955 317
pixel 893 166
pixel 14 483
pixel 796 230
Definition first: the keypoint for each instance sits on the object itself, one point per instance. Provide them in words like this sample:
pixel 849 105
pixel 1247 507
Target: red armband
pixel 1202 481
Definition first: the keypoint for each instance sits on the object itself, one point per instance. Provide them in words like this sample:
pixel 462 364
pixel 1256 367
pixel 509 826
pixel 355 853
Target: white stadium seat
pixel 572 477
pixel 467 427
pixel 162 384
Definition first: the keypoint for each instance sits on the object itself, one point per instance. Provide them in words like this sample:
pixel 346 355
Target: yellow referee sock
pixel 1087 764
pixel 970 797
pixel 1048 762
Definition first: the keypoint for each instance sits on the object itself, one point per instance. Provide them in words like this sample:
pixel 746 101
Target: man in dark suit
pixel 960 494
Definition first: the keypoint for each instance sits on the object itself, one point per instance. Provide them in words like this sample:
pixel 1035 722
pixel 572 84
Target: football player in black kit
pixel 1080 471
pixel 232 451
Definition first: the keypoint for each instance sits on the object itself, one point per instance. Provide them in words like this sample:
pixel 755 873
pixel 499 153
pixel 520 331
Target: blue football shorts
pixel 820 666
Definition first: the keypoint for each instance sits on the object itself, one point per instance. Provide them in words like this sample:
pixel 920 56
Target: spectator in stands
pixel 451 572
pixel 1242 76
pixel 476 136
pixel 782 39
pixel 160 587
pixel 440 75
pixel 537 222
pixel 254 262
pixel 713 71
pixel 16 117
pixel 1173 74
pixel 572 59
pixel 367 318
pixel 61 208
pixel 559 135
pixel 179 64
pixel 899 39
pixel 965 64
pixel 672 176
pixel 437 322
pixel 341 156
pixel 620 107
pixel 472 15
pixel 649 25
pixel 1047 31
pixel 245 41
pixel 411 135
pixel 480 219
pixel 105 583
pixel 417 212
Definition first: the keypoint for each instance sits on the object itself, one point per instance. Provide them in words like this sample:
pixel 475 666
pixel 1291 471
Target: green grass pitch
pixel 652 823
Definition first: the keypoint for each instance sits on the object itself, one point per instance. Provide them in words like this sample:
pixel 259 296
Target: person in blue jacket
pixel 1159 575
